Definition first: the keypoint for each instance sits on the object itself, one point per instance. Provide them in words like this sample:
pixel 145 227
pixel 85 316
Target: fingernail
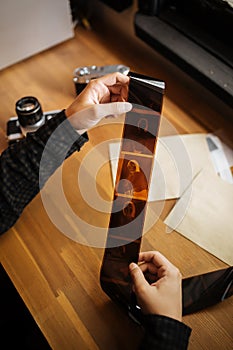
pixel 125 107
pixel 133 266
pixel 111 116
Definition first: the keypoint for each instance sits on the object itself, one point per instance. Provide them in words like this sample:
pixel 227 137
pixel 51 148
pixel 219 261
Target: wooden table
pixel 58 278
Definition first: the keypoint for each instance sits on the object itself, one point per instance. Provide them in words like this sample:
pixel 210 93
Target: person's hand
pixel 101 97
pixel 164 295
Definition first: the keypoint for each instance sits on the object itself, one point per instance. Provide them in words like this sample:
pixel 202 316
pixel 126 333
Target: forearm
pixel 164 333
pixel 27 165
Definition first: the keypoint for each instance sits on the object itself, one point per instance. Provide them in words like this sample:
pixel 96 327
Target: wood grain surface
pixel 57 277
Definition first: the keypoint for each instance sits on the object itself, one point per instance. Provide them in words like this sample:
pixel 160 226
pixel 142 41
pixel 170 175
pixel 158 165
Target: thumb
pixel 90 116
pixel 137 275
pixel 113 108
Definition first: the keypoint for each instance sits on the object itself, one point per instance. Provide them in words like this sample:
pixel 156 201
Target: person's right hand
pixel 101 97
pixel 164 295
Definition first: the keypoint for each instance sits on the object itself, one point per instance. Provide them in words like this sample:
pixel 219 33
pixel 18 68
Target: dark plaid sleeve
pixel 164 333
pixel 26 165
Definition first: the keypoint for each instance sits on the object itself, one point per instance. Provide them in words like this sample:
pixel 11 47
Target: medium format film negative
pixel 127 217
pixel 134 170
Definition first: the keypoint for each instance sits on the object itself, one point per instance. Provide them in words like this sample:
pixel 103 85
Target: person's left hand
pixel 162 295
pixel 101 97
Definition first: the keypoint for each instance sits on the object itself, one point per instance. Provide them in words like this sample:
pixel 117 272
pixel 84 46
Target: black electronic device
pixel 194 35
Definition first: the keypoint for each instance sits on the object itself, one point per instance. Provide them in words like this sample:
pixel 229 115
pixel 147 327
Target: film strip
pixel 138 145
pixel 205 290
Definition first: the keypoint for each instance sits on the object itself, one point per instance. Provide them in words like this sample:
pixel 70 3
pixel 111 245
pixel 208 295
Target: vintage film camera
pixel 29 118
pixel 29 111
pixel 83 75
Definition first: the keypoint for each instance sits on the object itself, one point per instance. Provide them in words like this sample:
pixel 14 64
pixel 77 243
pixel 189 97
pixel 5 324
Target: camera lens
pixel 29 111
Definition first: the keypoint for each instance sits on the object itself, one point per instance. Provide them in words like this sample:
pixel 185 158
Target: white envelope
pixel 204 214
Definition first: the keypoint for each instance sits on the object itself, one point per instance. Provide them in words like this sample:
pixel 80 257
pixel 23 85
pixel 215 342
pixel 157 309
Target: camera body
pixel 83 75
pixel 28 109
pixel 28 119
